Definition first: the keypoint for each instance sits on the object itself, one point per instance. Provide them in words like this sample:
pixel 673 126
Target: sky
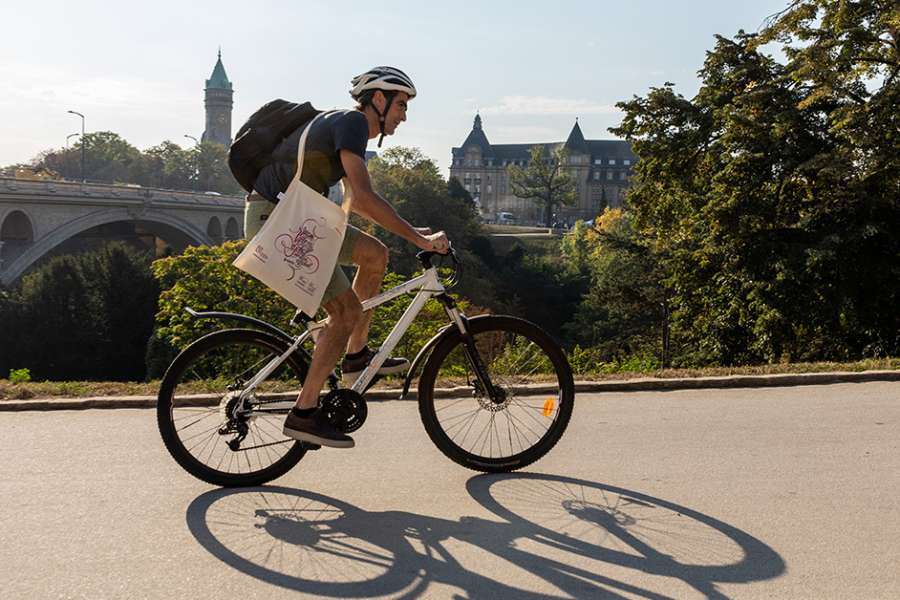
pixel 529 68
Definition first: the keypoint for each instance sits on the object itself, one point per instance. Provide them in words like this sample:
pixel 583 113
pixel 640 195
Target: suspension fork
pixel 496 395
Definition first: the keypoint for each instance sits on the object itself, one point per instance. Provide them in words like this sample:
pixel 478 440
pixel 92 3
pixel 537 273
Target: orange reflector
pixel 548 407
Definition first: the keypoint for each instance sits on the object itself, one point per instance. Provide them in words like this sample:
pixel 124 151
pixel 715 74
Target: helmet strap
pixel 383 115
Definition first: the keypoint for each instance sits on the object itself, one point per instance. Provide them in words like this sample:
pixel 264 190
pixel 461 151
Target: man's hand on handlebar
pixel 434 242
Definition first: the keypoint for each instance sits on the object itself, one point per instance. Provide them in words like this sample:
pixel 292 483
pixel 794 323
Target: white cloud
pixel 545 105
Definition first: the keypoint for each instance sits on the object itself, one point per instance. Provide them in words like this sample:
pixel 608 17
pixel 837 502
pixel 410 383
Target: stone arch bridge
pixel 40 218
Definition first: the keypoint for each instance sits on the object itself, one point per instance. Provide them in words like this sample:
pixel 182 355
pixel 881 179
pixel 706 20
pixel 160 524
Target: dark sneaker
pixel 315 429
pixel 352 368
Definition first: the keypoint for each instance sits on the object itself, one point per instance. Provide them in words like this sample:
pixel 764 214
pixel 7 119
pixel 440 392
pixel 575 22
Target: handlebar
pixel 425 257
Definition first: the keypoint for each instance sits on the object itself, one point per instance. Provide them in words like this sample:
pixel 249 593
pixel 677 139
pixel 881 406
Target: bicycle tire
pixel 496 338
pixel 171 408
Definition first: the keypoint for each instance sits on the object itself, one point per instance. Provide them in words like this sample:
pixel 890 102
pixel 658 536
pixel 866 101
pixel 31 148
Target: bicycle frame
pixel 428 286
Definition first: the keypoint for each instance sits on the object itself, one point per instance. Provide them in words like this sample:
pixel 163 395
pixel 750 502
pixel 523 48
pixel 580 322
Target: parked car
pixel 506 218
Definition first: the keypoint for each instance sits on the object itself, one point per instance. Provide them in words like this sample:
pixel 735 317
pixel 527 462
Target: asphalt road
pixel 742 493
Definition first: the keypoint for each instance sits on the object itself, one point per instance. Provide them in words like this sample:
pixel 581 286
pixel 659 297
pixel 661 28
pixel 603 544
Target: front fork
pixel 496 394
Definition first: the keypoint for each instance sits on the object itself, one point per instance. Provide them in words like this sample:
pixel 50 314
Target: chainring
pixel 346 410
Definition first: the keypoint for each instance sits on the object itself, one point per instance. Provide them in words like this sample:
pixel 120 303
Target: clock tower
pixel 218 106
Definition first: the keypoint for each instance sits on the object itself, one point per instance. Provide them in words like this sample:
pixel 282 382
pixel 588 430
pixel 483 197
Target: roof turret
pixel 576 141
pixel 477 137
pixel 218 79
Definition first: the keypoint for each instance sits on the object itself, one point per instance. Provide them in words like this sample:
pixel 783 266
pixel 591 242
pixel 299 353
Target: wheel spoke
pixel 512 430
pixel 222 367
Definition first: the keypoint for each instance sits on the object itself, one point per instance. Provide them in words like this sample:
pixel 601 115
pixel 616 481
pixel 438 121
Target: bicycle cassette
pixel 346 410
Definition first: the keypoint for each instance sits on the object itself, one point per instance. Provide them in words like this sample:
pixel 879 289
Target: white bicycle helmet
pixel 389 81
pixel 386 79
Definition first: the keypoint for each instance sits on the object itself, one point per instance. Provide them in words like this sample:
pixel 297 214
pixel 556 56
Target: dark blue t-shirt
pixel 322 168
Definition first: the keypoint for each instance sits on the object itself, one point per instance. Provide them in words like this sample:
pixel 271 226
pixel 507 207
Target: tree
pixel 166 165
pixel 84 316
pixel 212 170
pixel 773 192
pixel 544 180
pixel 412 183
pixel 109 158
pixel 625 310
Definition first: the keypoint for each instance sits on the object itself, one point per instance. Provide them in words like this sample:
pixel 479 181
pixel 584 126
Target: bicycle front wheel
pixel 529 412
pixel 203 423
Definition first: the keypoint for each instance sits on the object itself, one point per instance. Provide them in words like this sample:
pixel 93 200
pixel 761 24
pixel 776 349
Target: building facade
pixel 601 169
pixel 218 102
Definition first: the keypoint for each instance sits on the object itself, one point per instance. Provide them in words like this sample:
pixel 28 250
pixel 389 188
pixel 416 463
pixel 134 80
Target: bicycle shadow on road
pixel 556 538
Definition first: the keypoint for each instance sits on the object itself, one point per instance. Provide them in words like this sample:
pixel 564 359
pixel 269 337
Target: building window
pixel 612 161
pixel 490 188
pixel 622 175
pixel 596 175
pixel 626 162
pixel 598 161
pixel 609 175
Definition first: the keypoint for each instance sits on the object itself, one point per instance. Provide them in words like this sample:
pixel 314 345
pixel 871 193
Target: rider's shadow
pixel 557 536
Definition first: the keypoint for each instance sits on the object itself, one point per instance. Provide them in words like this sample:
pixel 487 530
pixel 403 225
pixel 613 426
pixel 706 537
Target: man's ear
pixel 379 100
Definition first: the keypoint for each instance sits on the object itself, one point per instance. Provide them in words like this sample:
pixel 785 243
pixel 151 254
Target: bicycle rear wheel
pixel 535 386
pixel 198 416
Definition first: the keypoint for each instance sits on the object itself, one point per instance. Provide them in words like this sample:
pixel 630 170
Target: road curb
pixel 646 384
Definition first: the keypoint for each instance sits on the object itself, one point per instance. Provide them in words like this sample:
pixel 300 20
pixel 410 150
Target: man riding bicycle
pixel 335 151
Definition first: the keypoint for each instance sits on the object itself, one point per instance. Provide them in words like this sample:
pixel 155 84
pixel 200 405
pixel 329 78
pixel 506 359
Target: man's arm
pixel 373 207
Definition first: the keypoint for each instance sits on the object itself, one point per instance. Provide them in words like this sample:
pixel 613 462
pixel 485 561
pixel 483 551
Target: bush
pixel 84 316
pixel 19 376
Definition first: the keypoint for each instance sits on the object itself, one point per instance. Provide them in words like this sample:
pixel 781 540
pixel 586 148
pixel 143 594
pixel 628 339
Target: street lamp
pixel 196 141
pixel 83 180
pixel 68 137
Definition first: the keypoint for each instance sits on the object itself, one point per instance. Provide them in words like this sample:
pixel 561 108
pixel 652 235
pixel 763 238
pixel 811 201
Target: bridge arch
pixel 16 233
pixel 232 229
pixel 214 230
pixel 191 233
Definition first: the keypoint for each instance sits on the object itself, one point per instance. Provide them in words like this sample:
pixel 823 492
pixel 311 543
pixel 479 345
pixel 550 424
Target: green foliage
pixel 773 196
pixel 430 320
pixel 625 308
pixel 19 376
pixel 85 316
pixel 544 180
pixel 412 184
pixel 111 159
pixel 203 278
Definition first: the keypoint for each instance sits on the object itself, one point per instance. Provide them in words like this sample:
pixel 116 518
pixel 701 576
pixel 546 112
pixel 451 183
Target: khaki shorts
pixel 258 209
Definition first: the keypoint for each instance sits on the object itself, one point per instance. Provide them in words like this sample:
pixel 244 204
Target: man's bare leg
pixel 372 257
pixel 345 313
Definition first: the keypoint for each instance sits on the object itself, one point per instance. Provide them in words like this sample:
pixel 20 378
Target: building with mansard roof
pixel 601 169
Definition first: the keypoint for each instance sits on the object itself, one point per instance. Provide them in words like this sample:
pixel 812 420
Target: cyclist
pixel 335 151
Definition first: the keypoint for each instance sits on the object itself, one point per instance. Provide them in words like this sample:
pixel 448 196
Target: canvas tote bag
pixel 295 251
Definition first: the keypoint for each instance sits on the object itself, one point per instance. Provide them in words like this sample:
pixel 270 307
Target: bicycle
pixel 493 371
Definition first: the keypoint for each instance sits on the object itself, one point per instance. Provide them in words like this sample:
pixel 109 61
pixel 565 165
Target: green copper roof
pixel 218 79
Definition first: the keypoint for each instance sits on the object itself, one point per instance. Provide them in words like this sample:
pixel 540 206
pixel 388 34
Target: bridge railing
pixel 44 187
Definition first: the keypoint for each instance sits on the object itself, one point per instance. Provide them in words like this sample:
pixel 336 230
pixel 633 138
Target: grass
pixel 81 389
